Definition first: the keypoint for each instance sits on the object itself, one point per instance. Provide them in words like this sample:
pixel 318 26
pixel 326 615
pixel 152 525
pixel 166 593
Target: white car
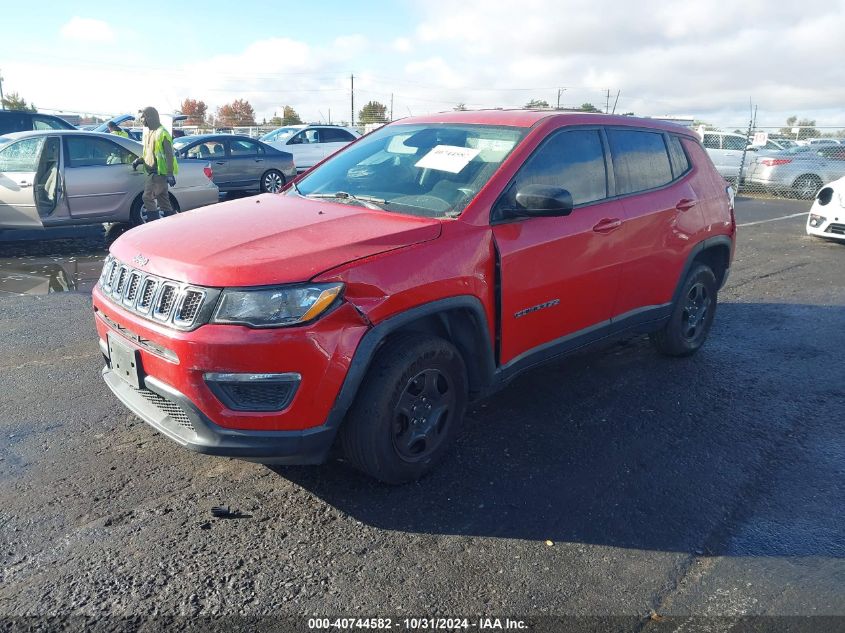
pixel 827 215
pixel 310 144
pixel 726 150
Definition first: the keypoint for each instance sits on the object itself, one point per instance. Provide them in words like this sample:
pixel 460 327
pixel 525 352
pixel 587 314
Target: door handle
pixel 259 160
pixel 606 225
pixel 221 162
pixel 23 184
pixel 685 204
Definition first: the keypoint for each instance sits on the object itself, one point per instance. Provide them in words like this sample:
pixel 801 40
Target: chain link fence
pixel 776 162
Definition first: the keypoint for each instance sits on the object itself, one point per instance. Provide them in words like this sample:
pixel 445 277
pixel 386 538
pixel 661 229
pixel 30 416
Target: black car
pixel 21 121
pixel 239 163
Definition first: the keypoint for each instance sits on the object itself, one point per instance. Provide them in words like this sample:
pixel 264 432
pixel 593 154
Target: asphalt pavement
pixel 615 490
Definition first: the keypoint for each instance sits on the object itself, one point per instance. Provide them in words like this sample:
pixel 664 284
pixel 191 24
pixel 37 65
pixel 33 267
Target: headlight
pixel 276 307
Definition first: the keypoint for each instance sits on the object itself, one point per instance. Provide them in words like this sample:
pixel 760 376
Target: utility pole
pixel 2 105
pixel 618 92
pixel 391 106
pixel 607 102
pixel 559 91
pixel 352 91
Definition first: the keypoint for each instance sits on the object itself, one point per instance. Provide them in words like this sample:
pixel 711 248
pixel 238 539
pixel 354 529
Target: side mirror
pixel 543 201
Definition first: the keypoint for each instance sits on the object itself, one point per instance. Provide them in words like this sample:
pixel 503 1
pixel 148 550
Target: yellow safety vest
pixel 120 133
pixel 158 151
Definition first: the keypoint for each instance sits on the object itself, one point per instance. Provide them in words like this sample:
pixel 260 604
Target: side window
pixel 21 156
pixel 336 135
pixel 96 152
pixel 43 123
pixel 712 141
pixel 734 142
pixel 573 160
pixel 243 148
pixel 201 150
pixel 11 121
pixel 677 156
pixel 640 160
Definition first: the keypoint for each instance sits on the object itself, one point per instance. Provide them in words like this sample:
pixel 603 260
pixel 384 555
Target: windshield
pixel 280 134
pixel 431 170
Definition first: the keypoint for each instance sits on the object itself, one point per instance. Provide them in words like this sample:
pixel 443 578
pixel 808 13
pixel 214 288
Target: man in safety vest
pixel 159 163
pixel 115 129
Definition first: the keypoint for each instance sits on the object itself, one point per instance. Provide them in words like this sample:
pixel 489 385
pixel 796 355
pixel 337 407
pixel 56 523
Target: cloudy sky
pixel 705 59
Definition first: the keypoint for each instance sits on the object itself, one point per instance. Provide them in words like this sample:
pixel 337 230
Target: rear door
pixel 559 275
pixel 220 162
pixel 662 215
pixel 246 163
pixel 18 165
pixel 98 174
pixel 334 138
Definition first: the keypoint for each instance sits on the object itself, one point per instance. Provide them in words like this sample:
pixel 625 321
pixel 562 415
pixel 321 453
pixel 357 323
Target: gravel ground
pixel 664 494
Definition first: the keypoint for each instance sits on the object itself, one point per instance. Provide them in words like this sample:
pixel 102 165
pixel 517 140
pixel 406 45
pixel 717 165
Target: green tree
pixel 535 104
pixel 461 107
pixel 373 112
pixel 239 112
pixel 194 110
pixel 13 101
pixel 589 107
pixel 290 116
pixel 807 128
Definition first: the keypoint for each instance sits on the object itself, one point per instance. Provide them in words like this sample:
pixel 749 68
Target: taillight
pixel 208 172
pixel 771 162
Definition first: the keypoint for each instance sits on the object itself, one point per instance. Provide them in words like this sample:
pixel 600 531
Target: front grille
pixel 179 305
pixel 838 229
pixel 165 302
pixel 190 305
pixel 176 413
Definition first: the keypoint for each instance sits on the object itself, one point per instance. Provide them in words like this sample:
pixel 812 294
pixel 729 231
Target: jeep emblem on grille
pixel 140 260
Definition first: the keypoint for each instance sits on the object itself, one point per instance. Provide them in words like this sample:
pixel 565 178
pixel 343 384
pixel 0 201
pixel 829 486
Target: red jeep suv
pixel 418 269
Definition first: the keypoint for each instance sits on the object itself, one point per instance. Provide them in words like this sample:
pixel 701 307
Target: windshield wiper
pixel 343 195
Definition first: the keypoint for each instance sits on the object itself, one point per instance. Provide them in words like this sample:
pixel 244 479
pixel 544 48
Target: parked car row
pixel 69 177
pixel 799 171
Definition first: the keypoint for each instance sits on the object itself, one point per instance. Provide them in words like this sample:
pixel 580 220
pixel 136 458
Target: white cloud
pixel 402 45
pixel 87 30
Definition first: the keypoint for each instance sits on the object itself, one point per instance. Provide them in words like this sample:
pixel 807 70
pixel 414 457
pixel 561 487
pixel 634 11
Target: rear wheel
pixel 139 214
pixel 408 410
pixel 807 186
pixel 272 181
pixel 692 315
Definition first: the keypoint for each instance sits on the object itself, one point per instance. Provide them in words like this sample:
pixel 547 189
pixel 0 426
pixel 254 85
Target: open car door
pixel 29 181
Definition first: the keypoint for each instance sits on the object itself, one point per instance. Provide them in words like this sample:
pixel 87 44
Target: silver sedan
pixel 800 171
pixel 71 177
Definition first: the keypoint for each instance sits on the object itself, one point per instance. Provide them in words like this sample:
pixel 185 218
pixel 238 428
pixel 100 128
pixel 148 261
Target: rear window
pixel 640 160
pixel 735 143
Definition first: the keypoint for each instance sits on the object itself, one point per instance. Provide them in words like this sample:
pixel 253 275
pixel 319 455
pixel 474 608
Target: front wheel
pixel 408 410
pixel 272 181
pixel 692 315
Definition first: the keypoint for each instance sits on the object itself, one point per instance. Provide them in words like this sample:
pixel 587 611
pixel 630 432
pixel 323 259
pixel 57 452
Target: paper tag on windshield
pixel 448 158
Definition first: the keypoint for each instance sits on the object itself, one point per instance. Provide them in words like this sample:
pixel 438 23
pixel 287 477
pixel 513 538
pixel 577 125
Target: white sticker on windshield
pixel 448 158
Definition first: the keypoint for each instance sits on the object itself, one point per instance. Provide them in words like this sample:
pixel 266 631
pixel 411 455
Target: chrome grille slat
pixel 178 305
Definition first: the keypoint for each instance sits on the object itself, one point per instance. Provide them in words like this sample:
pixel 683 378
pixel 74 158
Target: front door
pixel 559 275
pixel 306 149
pixel 29 178
pixel 98 175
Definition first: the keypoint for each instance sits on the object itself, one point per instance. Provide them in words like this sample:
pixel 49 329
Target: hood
pixel 117 120
pixel 265 240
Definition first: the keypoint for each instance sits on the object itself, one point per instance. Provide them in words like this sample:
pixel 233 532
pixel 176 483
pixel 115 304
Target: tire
pixel 138 212
pixel 692 315
pixel 272 181
pixel 408 410
pixel 807 186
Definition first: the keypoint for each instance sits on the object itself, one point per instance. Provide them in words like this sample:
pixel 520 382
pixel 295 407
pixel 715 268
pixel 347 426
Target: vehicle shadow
pixel 622 447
